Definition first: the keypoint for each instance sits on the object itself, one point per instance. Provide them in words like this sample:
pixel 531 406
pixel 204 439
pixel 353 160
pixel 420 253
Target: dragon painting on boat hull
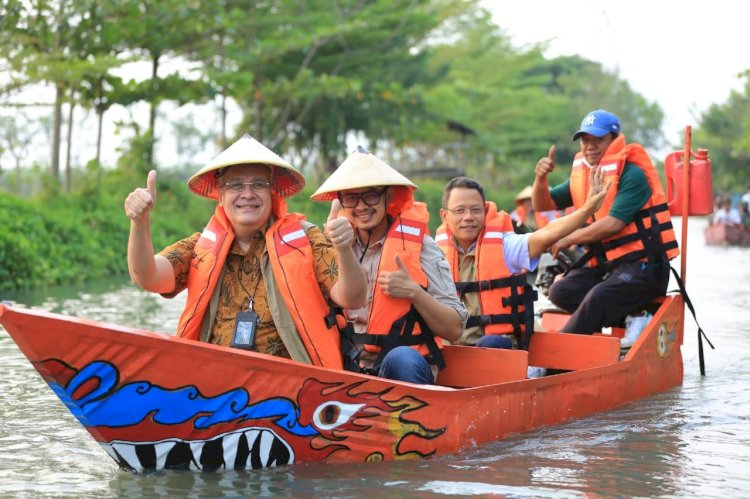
pixel 157 402
pixel 156 424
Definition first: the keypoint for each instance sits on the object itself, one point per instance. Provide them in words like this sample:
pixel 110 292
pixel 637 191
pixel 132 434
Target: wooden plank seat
pixel 572 352
pixel 554 319
pixel 472 366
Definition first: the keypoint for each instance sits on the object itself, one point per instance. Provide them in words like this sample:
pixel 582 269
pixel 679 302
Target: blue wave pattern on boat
pixel 130 404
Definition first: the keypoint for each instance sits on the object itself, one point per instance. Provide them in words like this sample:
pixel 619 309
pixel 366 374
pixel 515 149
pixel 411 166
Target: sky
pixel 684 55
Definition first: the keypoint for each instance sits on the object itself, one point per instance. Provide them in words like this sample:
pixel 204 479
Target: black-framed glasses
pixel 370 198
pixel 462 210
pixel 255 186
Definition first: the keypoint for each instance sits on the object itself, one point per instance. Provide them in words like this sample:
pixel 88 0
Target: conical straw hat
pixel 360 169
pixel 286 180
pixel 524 194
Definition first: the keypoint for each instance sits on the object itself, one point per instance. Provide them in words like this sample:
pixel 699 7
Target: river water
pixel 693 441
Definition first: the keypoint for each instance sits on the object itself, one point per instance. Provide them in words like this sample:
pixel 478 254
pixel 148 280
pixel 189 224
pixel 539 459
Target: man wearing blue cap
pixel 629 240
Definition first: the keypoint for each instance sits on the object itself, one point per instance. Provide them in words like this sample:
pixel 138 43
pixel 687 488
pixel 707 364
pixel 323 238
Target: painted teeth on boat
pixel 253 448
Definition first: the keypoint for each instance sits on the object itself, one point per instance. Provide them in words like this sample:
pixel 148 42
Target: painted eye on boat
pixel 330 415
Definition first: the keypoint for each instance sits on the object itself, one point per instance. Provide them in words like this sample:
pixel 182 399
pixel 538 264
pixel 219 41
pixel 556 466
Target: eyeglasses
pixel 462 210
pixel 255 186
pixel 370 198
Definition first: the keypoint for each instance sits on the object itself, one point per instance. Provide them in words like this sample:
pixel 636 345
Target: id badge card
pixel 244 330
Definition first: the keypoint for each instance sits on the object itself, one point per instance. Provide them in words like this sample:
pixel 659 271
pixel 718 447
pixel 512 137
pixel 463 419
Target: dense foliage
pixel 56 239
pixel 725 131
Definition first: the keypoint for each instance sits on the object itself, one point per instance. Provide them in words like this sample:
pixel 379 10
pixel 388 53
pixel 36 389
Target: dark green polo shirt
pixel 632 194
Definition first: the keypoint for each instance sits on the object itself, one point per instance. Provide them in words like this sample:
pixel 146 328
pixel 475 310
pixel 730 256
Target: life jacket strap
pixel 701 334
pixel 522 320
pixel 349 351
pixel 655 251
pixel 464 287
pixel 401 334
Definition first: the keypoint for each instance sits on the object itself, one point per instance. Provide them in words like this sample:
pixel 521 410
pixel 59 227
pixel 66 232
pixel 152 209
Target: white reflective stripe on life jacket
pixel 209 234
pixel 293 236
pixel 407 229
pixel 493 235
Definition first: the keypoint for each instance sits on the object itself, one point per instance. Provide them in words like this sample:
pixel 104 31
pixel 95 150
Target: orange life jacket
pixel 542 218
pixel 506 300
pixel 291 259
pixel 650 235
pixel 394 321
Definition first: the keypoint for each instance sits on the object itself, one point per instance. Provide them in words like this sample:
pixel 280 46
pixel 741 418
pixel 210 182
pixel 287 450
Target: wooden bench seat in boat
pixel 573 352
pixel 472 366
pixel 554 320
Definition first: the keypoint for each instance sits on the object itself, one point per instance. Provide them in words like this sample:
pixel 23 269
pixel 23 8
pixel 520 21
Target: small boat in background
pixel 727 235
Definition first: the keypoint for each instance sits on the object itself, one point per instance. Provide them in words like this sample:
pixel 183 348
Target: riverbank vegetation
pixel 434 87
pixel 51 238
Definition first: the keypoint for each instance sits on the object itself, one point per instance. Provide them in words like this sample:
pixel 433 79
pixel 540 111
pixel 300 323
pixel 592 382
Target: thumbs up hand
pixel 335 209
pixel 139 203
pixel 398 283
pixel 338 228
pixel 546 165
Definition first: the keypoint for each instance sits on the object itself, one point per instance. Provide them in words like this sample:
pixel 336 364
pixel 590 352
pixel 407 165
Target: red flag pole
pixel 685 201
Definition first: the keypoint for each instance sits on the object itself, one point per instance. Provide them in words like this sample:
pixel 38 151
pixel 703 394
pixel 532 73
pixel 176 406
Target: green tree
pixel 588 86
pixel 497 91
pixel 306 74
pixel 64 44
pixel 33 43
pixel 725 131
pixel 518 103
pixel 158 31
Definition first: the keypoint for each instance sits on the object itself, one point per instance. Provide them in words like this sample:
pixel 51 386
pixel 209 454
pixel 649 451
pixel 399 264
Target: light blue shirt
pixel 515 252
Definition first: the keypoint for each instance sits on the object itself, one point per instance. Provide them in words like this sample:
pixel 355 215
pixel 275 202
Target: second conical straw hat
pixel 361 169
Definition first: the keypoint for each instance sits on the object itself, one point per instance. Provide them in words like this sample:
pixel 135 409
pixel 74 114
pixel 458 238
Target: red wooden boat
pixel 727 235
pixel 157 402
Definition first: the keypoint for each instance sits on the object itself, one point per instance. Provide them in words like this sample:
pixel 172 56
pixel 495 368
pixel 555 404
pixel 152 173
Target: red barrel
pixel 701 183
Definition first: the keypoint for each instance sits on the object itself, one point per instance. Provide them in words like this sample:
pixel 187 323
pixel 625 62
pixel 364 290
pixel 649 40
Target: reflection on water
pixel 693 441
pixel 114 300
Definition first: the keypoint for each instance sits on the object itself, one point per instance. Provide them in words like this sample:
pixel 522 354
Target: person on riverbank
pixel 525 217
pixel 745 215
pixel 489 261
pixel 745 199
pixel 245 274
pixel 629 240
pixel 411 296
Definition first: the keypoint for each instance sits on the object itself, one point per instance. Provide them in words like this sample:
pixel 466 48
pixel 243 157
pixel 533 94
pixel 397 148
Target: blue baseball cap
pixel 598 123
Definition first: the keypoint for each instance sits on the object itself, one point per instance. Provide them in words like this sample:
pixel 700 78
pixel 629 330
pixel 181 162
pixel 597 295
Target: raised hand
pixel 338 228
pixel 139 203
pixel 398 283
pixel 597 189
pixel 546 165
